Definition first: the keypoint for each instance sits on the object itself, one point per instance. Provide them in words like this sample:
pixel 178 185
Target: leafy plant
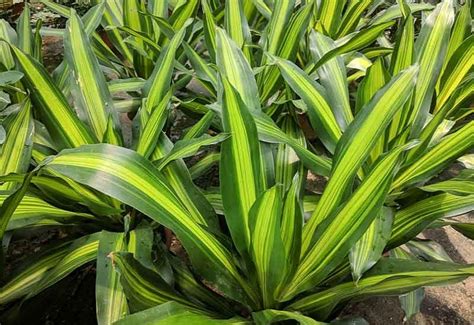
pixel 277 91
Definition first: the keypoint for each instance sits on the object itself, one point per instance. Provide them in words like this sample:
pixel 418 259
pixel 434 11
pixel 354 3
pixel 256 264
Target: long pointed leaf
pixel 430 49
pixel 321 116
pixel 82 251
pixel 438 157
pixel 390 276
pixel 143 287
pixel 356 144
pixel 111 303
pixel 16 148
pixel 160 80
pixel 336 235
pixel 128 177
pixel 412 220
pixel 92 93
pixel 64 126
pixel 240 166
pixel 267 246
pixel 333 78
pixel 233 65
pixel 368 250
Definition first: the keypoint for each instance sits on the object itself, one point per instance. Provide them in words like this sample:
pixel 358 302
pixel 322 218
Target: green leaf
pixel 329 15
pixel 462 96
pixel 463 184
pixel 203 165
pixel 201 67
pixel 411 301
pixel 201 127
pixel 236 69
pixel 437 158
pixel 91 91
pixel 141 42
pixel 81 251
pixel 180 181
pixel 176 314
pixel 153 125
pixel 292 225
pixel 287 164
pixel 356 144
pixel 240 165
pixel 430 49
pixel 50 104
pixel 57 8
pixel 158 9
pixel 91 20
pixel 287 48
pixel 236 25
pixel 32 210
pixel 111 303
pixel 267 248
pixel 131 84
pixel 375 78
pixel 129 178
pixel 467 229
pixel 135 21
pixel 51 187
pixel 182 13
pixel 319 111
pixel 278 22
pixel 112 133
pixel 25 278
pixel 390 276
pixel 269 132
pixel 7 33
pixel 140 243
pixel 402 58
pixel 160 80
pixel 428 250
pixel 369 248
pixel 209 25
pixel 16 149
pixel 461 30
pixel 413 219
pixel 189 148
pixel 127 105
pixel 337 234
pixel 332 76
pixel 352 17
pixel 269 316
pixel 191 287
pixel 394 12
pixel 360 40
pixel 113 16
pixel 143 287
pixel 8 208
pixel 95 201
pixel 263 8
pixel 456 70
pixel 24 32
pixel 10 77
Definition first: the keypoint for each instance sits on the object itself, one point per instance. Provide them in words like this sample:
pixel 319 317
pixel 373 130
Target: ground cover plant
pixel 217 223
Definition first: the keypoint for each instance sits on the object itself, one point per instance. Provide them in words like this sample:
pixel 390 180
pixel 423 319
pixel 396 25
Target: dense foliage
pixel 371 98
